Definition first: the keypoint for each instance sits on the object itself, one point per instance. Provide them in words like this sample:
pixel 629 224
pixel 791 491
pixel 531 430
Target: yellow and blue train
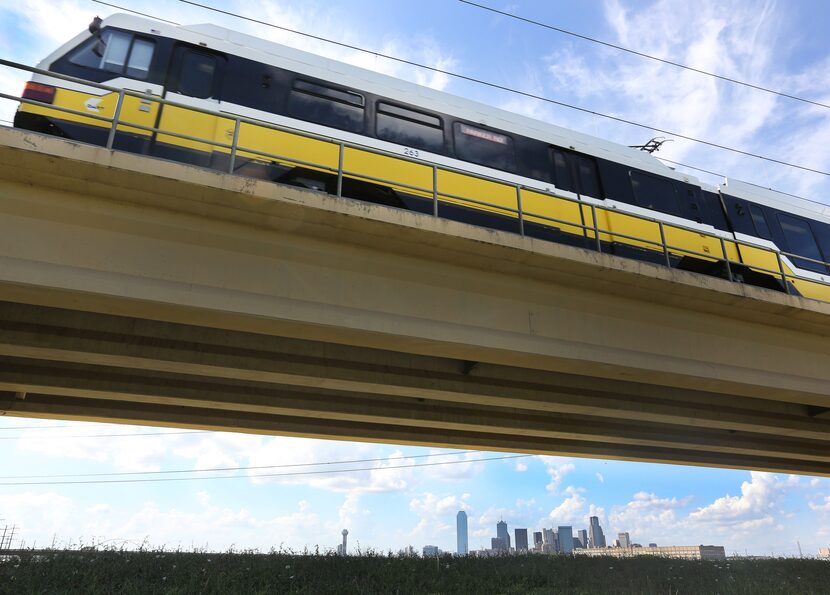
pixel 407 145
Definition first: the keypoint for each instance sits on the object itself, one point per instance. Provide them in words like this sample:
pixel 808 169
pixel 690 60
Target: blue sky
pixel 780 45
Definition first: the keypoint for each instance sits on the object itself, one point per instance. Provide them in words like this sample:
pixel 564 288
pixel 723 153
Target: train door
pixel 194 80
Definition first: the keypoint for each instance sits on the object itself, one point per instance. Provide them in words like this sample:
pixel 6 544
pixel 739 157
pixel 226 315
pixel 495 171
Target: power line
pixel 642 54
pixel 283 466
pixel 509 89
pixel 104 435
pixel 491 85
pixel 291 474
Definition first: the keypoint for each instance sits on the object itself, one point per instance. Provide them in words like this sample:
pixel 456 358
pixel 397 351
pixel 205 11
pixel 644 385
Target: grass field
pixel 116 571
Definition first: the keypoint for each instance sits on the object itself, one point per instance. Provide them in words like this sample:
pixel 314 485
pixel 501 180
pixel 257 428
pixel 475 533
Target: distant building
pixel 596 538
pixel 537 540
pixel 582 535
pixel 625 540
pixel 566 540
pixel 497 544
pixel 341 549
pixel 687 552
pixel 431 551
pixel 501 533
pixel 461 533
pixel 548 537
pixel 652 545
pixel 824 552
pixel 521 540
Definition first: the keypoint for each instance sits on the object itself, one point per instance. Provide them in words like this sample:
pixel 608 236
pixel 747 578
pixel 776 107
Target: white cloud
pixel 821 506
pixel 759 504
pixel 557 468
pixel 600 477
pixel 572 510
pixel 521 467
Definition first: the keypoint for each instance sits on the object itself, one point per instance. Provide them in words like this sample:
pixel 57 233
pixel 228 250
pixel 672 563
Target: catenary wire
pixel 486 83
pixel 104 435
pixel 213 469
pixel 642 54
pixel 510 90
pixel 290 474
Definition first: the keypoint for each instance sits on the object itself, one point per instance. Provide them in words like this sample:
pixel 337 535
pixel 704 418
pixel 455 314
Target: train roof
pixel 248 46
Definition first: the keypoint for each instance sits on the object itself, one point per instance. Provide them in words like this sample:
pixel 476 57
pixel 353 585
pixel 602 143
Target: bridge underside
pixel 59 363
pixel 147 292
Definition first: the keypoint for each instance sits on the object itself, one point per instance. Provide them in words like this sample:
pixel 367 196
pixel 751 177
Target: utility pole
pixel 800 554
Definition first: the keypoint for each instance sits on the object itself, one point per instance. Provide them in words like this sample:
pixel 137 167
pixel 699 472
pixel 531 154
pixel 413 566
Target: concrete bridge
pixel 144 291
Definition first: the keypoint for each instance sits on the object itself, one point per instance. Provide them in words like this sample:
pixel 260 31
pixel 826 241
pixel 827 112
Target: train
pixel 411 147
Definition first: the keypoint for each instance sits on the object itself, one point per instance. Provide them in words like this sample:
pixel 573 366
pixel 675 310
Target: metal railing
pixel 592 231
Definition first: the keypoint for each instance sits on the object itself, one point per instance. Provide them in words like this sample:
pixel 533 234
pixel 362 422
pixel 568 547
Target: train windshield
pixel 118 52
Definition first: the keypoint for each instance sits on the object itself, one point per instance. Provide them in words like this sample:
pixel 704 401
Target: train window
pixel 326 105
pixel 485 147
pixel 801 241
pixel 588 177
pixel 562 172
pixel 118 52
pixel 575 173
pixel 653 192
pixel 760 222
pixel 141 55
pixel 408 127
pixel 196 74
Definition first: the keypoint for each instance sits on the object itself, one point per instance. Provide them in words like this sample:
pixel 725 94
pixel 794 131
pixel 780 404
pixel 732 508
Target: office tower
pixel 461 533
pixel 537 540
pixel 596 538
pixel 501 533
pixel 625 540
pixel 431 551
pixel 582 535
pixel 566 540
pixel 498 544
pixel 548 537
pixel 521 540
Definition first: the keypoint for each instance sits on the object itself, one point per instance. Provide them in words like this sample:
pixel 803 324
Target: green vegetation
pixel 121 571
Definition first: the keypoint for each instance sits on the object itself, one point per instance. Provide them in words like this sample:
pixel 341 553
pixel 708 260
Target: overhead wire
pixel 59 436
pixel 290 474
pixel 504 88
pixel 247 468
pixel 642 54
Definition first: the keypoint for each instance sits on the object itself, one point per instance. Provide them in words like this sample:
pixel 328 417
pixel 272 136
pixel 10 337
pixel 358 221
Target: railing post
pixel 435 190
pixel 596 226
pixel 665 246
pixel 236 125
pixel 726 260
pixel 340 170
pixel 115 117
pixel 519 209
pixel 783 274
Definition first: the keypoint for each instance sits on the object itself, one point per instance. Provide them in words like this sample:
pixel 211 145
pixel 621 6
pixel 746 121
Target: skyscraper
pixel 461 533
pixel 566 540
pixel 521 540
pixel 537 540
pixel 625 540
pixel 596 538
pixel 582 535
pixel 501 533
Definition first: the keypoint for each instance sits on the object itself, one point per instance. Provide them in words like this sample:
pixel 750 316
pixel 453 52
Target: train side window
pixel 562 172
pixel 196 74
pixel 653 192
pixel 801 241
pixel 484 147
pixel 408 127
pixel 327 106
pixel 588 177
pixel 760 222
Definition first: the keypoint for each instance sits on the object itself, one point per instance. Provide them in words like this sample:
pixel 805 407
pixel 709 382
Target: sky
pixel 782 46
